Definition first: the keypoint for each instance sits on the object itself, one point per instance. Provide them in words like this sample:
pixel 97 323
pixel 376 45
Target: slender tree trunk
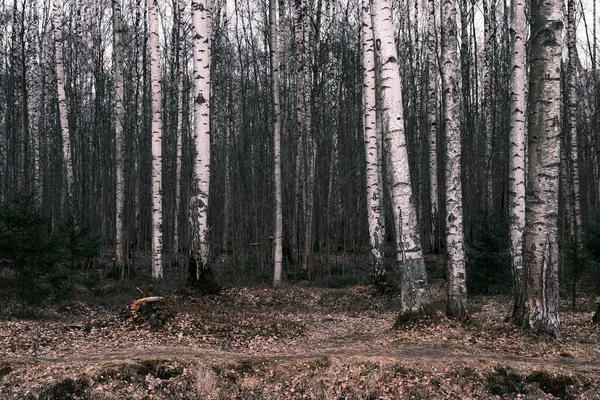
pixel 278 231
pixel 179 132
pixel 155 82
pixel 540 241
pixel 25 184
pixel 119 138
pixel 299 11
pixel 489 25
pixel 432 121
pixel 202 21
pixel 311 121
pixel 373 160
pixel 516 178
pixel 455 259
pixel 572 124
pixel 62 106
pixel 409 254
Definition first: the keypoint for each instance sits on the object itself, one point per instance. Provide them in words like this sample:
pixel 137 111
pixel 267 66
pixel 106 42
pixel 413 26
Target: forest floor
pixel 297 342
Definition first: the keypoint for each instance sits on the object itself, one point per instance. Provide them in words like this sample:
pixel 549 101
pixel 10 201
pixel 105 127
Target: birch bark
pixel 455 258
pixel 373 161
pixel 516 179
pixel 62 104
pixel 540 241
pixel 432 112
pixel 155 82
pixel 572 123
pixel 278 229
pixel 119 139
pixel 179 133
pixel 202 21
pixel 409 255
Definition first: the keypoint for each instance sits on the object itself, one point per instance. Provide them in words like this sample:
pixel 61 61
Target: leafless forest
pixel 385 184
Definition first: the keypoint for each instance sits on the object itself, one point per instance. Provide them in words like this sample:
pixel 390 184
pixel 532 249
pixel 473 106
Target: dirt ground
pixel 297 342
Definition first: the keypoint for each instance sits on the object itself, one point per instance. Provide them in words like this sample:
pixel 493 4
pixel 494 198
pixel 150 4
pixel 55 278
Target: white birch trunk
pixel 299 165
pixel 62 104
pixel 278 229
pixel 119 139
pixel 179 133
pixel 572 124
pixel 202 21
pixel 489 34
pixel 409 254
pixel 540 241
pixel 455 258
pixel 432 113
pixel 311 136
pixel 155 81
pixel 516 178
pixel 373 160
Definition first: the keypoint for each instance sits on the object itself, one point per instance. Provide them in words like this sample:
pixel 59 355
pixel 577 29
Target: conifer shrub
pixel 37 262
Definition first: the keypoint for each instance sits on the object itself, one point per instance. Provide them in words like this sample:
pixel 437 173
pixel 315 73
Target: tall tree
pixel 571 110
pixel 202 21
pixel 155 82
pixel 299 37
pixel 119 137
pixel 68 178
pixel 540 239
pixel 516 179
pixel 409 254
pixel 373 160
pixel 180 65
pixel 278 212
pixel 455 258
pixel 432 122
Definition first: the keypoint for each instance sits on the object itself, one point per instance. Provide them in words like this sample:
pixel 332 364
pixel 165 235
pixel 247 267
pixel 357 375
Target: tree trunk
pixel 373 161
pixel 62 106
pixel 457 290
pixel 409 255
pixel 202 21
pixel 489 33
pixel 278 229
pixel 299 10
pixel 155 82
pixel 540 241
pixel 432 120
pixel 119 139
pixel 516 178
pixel 180 63
pixel 572 125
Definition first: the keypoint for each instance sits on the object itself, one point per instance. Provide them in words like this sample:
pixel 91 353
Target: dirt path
pixel 433 354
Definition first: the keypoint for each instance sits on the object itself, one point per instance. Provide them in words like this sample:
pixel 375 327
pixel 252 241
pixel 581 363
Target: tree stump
pixel 153 311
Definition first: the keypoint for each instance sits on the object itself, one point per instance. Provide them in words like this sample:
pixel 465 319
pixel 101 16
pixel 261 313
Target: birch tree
pixel 62 104
pixel 571 110
pixel 202 21
pixel 373 161
pixel 119 139
pixel 432 112
pixel 409 255
pixel 540 239
pixel 455 257
pixel 155 82
pixel 299 11
pixel 180 64
pixel 278 228
pixel 516 179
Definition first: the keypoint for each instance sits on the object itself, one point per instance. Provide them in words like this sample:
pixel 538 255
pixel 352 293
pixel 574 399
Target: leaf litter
pixel 295 342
